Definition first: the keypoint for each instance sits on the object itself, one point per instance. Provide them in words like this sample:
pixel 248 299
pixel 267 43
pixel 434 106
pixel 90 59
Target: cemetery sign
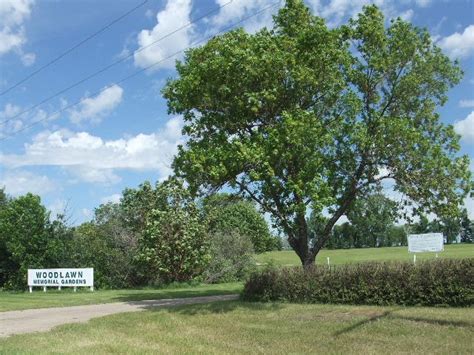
pixel 61 278
pixel 428 242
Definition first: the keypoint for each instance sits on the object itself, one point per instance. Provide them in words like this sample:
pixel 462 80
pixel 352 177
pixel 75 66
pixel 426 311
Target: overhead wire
pixel 139 71
pixel 66 52
pixel 107 67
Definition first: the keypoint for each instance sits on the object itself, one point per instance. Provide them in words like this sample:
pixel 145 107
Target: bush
pixel 231 258
pixel 231 214
pixel 174 246
pixel 448 282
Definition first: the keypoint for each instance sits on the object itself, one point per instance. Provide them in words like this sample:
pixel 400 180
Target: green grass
pixel 52 298
pixel 248 328
pixel 343 256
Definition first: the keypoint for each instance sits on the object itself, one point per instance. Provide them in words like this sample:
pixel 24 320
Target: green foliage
pixel 430 283
pixel 467 228
pixel 305 116
pixel 226 214
pixel 372 218
pixel 231 257
pixel 27 239
pixel 452 227
pixel 396 236
pixel 92 247
pixel 136 205
pixel 422 226
pixel 174 245
pixel 344 236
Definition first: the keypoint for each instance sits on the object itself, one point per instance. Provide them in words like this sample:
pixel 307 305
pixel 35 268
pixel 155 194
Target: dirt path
pixel 36 320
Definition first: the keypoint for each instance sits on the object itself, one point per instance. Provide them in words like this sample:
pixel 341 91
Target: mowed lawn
pixel 52 298
pixel 249 328
pixel 343 256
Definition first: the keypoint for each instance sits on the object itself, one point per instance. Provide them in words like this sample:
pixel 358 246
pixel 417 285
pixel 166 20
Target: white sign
pixel 428 242
pixel 61 277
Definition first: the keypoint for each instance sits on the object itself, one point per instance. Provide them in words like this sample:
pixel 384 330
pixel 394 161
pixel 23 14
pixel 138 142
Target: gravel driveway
pixel 43 319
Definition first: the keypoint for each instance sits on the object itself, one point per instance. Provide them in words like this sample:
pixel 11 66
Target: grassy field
pixel 237 327
pixel 343 256
pixel 52 298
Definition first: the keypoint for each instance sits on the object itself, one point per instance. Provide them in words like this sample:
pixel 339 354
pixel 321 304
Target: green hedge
pixel 448 282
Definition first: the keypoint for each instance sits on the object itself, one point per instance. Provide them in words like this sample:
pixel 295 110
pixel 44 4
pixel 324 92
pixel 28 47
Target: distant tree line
pixel 372 223
pixel 155 234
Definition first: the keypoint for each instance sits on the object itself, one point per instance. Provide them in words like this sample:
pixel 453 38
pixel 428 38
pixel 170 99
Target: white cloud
pixel 149 13
pixel 9 111
pixel 12 120
pixel 87 213
pixel 114 198
pixel 459 45
pixel 13 14
pixel 92 159
pixel 423 3
pixel 94 175
pixel 466 103
pixel 10 40
pixel 407 15
pixel 95 108
pixel 175 15
pixel 236 10
pixel 465 128
pixel 336 10
pixel 20 182
pixel 28 59
pixel 58 206
pixel 9 124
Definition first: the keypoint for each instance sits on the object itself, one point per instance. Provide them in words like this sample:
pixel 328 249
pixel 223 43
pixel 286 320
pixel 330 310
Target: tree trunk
pixel 300 246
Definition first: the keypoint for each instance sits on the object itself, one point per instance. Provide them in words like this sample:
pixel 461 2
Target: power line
pixel 107 67
pixel 140 71
pixel 110 24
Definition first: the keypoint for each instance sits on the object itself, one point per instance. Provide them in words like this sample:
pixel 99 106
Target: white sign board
pixel 428 242
pixel 61 277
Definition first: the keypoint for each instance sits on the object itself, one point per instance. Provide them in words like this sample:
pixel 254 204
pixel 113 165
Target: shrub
pixel 231 214
pixel 231 257
pixel 174 246
pixel 448 282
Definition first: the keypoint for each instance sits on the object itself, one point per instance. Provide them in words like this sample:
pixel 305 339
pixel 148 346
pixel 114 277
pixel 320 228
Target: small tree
pixel 226 214
pixel 231 257
pixel 174 244
pixel 305 116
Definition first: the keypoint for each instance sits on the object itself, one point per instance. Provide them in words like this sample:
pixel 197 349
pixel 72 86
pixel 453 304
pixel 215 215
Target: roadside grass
pixel 10 301
pixel 272 328
pixel 343 256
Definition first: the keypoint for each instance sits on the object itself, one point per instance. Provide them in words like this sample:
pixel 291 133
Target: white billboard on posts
pixel 427 242
pixel 61 277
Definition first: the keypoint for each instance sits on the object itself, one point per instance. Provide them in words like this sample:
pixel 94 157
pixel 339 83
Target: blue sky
pixel 88 153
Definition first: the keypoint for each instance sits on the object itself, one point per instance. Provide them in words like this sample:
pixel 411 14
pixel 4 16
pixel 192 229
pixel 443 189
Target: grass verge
pixel 248 328
pixel 10 301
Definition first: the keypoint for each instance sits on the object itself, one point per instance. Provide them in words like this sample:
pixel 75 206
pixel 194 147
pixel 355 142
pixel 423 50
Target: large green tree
pixel 303 116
